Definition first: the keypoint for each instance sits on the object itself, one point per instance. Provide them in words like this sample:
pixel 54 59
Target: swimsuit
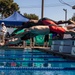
pixel 54 27
pixel 57 29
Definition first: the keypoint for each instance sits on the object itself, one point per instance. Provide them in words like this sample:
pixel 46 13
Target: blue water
pixel 13 72
pixel 34 62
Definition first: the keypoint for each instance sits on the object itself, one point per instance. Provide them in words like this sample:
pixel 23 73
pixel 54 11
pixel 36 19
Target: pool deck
pixel 45 49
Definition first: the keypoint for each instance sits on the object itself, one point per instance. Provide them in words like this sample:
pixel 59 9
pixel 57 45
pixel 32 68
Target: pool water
pixel 33 62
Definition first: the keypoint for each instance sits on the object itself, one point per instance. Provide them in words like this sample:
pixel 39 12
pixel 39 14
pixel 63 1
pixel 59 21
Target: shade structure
pixel 16 19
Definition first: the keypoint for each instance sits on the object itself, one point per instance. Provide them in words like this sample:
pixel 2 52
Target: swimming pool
pixel 33 62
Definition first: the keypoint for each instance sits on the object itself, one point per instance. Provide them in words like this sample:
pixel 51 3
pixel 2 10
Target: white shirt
pixel 4 29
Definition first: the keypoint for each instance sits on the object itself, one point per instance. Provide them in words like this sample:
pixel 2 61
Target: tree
pixel 7 7
pixel 31 16
pixel 73 7
pixel 73 18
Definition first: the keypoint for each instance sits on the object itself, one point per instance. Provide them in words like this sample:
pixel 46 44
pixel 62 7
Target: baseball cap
pixel 2 23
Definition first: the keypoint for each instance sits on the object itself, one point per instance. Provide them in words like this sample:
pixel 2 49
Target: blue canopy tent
pixel 16 19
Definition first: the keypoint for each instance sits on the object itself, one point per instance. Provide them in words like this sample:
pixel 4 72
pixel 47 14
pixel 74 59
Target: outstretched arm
pixel 68 21
pixel 62 22
pixel 72 22
pixel 70 32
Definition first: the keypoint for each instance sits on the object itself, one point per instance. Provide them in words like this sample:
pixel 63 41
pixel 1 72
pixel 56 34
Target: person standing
pixel 32 42
pixel 3 31
pixel 46 40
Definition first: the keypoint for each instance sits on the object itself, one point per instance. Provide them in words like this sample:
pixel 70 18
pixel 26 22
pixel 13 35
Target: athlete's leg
pixel 71 26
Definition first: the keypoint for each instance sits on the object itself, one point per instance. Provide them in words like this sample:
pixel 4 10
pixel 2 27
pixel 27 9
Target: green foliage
pixel 7 7
pixel 73 18
pixel 73 7
pixel 31 16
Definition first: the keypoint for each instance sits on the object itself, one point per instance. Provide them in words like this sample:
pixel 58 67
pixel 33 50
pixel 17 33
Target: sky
pixel 53 9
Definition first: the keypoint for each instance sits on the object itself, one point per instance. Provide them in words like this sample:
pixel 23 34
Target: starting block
pixel 73 51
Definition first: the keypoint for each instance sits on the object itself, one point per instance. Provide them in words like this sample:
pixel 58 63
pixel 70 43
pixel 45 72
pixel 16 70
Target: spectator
pixel 3 31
